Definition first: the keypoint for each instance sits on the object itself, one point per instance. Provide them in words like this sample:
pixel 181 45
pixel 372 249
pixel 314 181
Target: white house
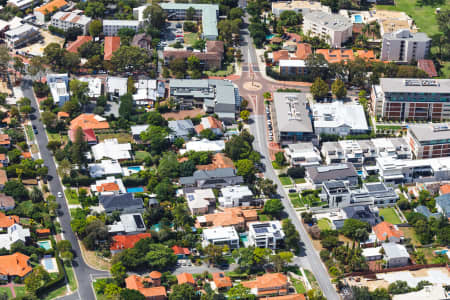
pixel 302 154
pixel 199 201
pixel 335 29
pixel 104 168
pixel 59 87
pixel 236 195
pixel 108 186
pixel 372 253
pixel 14 234
pixel 395 255
pixel 111 27
pixel 265 234
pixel 67 20
pixel 110 148
pixel 116 86
pixel 128 224
pixel 204 145
pixel 94 85
pixel 221 236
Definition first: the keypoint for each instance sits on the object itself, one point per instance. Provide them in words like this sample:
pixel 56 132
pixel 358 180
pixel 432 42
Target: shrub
pixel 296 172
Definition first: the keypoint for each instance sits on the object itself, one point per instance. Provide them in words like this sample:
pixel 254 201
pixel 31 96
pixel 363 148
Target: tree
pixel 36 279
pixel 126 35
pixel 296 172
pixel 292 238
pixel 67 257
pixel 237 148
pixel 119 273
pixel 240 292
pixel 49 119
pixel 190 26
pixel 290 18
pixel 127 294
pixel 245 115
pixel 281 259
pixel 64 245
pixel 160 257
pixel 273 207
pixel 156 136
pixel 399 287
pixel 338 89
pixel 130 59
pixel 208 134
pixel 280 159
pixel 236 13
pixel 352 225
pixel 246 169
pixel 182 292
pixel 319 88
pixel 199 44
pixel 89 49
pixel 178 65
pixel 36 195
pixel 94 9
pixel 126 106
pixel 190 13
pixel 330 242
pixel 193 63
pixel 5 58
pixel 36 66
pixel 266 186
pixel 95 28
pixel 19 66
pixel 155 118
pixel 16 190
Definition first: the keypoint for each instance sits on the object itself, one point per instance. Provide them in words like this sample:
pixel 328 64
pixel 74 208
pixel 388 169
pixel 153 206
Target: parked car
pixel 59 195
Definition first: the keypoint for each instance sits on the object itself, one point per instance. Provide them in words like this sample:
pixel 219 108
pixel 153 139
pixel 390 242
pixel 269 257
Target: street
pixel 308 257
pixel 82 271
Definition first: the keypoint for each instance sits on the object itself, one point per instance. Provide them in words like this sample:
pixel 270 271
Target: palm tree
pixel 36 195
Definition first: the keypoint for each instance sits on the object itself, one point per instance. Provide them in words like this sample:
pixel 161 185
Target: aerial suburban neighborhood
pixel 225 149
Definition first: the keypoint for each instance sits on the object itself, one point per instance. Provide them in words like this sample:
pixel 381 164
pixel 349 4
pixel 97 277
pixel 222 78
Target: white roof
pixel 105 167
pixel 428 292
pixel 116 84
pixel 204 145
pixel 121 23
pixel 437 164
pixel 236 191
pixel 337 114
pixel 111 148
pixel 371 252
pixel 71 17
pixel 199 198
pixel 20 30
pixel 15 233
pixel 220 233
pixel 138 129
pixel 292 63
pixel 393 250
pixel 95 85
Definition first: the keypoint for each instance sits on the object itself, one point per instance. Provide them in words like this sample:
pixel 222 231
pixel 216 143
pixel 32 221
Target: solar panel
pixel 191 197
pixel 261 230
pixel 138 221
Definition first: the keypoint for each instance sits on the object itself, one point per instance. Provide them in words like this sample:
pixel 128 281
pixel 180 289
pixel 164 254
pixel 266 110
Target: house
pixel 302 155
pixel 371 254
pixel 181 129
pixel 94 86
pixel 395 255
pixel 319 174
pixel 221 282
pixel 43 232
pixel 293 67
pixel 210 59
pixel 8 221
pixel 423 210
pixel 148 91
pixel 5 141
pixel 105 168
pixel 112 44
pixel 217 178
pixel 89 121
pixel 386 232
pixel 59 88
pixel 265 234
pixel 427 65
pixel 143 41
pixel 204 145
pixel 236 217
pixel 68 20
pixel 392 147
pixel 288 297
pixel 357 152
pixel 199 201
pixel 4 160
pixel 429 140
pixel 136 131
pixel 221 236
pixel 339 119
pixel 404 99
pixel 110 148
pixel 444 189
pixel 237 195
pixel 336 55
pixel 129 223
pixel 121 242
pixel 111 27
pixel 210 123
pixel 432 291
pixel 116 87
pixel 22 35
pixel 14 234
pixel 141 284
pixel 365 213
pixel 367 55
pixel 7 202
pixel 219 161
pixel 3 179
pixel 290 117
pixel 298 6
pixel 62 115
pixel 20 4
pixel 81 40
pixel 88 135
pixel 443 205
pixel 269 284
pixel 405 46
pixel 126 203
pixel 42 12
pixel 335 29
pixel 186 278
pixel 108 186
pixel 26 155
pixel 14 265
pixel 181 252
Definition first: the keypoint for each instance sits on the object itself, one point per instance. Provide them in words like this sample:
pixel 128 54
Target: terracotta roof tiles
pixel 127 241
pixel 112 44
pixel 14 265
pixel 73 47
pixel 185 278
pixel 89 121
pixel 385 230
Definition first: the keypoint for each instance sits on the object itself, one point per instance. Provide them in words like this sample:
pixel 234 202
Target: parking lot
pixel 37 49
pixel 172 33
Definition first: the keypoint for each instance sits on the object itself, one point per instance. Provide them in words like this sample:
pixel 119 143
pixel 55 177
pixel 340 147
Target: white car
pixel 59 195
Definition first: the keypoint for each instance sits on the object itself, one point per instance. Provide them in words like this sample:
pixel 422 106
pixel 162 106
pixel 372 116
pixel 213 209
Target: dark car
pixel 292 191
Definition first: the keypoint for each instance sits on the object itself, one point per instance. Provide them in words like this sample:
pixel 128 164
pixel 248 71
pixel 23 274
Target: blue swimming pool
pixel 360 173
pixel 135 168
pixel 244 237
pixel 441 252
pixel 139 189
pixel 268 37
pixel 45 245
pixel 357 19
pixel 48 263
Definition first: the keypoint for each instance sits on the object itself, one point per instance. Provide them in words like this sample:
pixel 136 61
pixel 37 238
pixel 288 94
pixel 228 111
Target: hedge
pixel 134 181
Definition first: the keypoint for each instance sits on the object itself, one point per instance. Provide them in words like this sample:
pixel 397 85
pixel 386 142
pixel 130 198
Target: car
pixel 179 25
pixel 34 126
pixel 292 191
pixel 59 195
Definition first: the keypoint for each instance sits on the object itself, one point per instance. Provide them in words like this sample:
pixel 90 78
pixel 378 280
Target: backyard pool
pixel 138 189
pixel 244 238
pixel 49 264
pixel 268 37
pixel 360 173
pixel 357 19
pixel 135 168
pixel 46 245
pixel 441 252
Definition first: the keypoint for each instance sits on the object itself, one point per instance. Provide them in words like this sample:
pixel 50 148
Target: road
pixel 308 256
pixel 83 272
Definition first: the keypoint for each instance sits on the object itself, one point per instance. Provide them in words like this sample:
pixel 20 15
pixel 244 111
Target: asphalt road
pixel 83 272
pixel 308 256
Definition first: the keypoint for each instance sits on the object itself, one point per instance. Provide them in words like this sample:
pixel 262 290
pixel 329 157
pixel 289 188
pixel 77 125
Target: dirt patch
pixel 370 283
pixel 94 261
pixel 420 273
pixel 182 114
pixel 317 245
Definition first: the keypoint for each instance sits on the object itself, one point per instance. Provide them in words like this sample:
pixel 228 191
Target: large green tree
pixel 319 88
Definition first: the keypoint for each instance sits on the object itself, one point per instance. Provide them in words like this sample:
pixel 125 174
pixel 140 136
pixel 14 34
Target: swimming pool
pixel 360 173
pixel 134 168
pixel 49 264
pixel 441 252
pixel 244 238
pixel 138 189
pixel 268 37
pixel 357 19
pixel 45 244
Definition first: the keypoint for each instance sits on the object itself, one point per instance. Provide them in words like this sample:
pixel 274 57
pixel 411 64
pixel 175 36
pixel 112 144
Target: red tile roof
pixel 368 55
pixel 155 274
pixel 185 278
pixel 112 43
pixel 81 39
pixel 43 231
pixel 135 282
pixel 288 297
pixel 89 121
pixel 4 139
pixel 3 177
pixel 89 135
pixel 427 65
pixel 7 201
pixel 63 114
pixel 26 154
pixel 303 50
pixel 336 55
pixel 108 187
pixel 385 230
pixel 269 283
pixel 177 250
pixel 221 281
pixel 7 221
pixel 14 265
pixel 2 156
pixel 127 241
pixel 279 55
pixel 50 7
pixel 445 189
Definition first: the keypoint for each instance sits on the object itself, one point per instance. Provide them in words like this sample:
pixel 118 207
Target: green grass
pixel 190 38
pixel 276 166
pixel 71 278
pixel 61 291
pixel 223 72
pixel 299 180
pixel 312 280
pixel 122 137
pixel 20 291
pixel 30 132
pixel 390 215
pixel 411 234
pixel 264 218
pixel 295 199
pixel 72 196
pixel 285 180
pixel 7 290
pixel 389 127
pixel 141 155
pixel 57 137
pixel 324 224
pixel 298 285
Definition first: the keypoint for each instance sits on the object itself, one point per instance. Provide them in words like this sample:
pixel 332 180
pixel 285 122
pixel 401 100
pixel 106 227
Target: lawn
pixel 264 218
pixel 141 155
pixel 223 72
pixel 324 224
pixel 299 180
pixel 30 132
pixel 122 137
pixel 71 278
pixel 57 137
pixel 72 196
pixel 390 215
pixel 298 285
pixel 61 291
pixel 7 290
pixel 411 234
pixel 295 199
pixel 20 291
pixel 190 38
pixel 389 127
pixel 285 180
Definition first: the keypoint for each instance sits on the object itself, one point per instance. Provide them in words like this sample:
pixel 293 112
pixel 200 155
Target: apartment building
pixel 221 236
pixel 302 154
pixel 59 85
pixel 265 234
pixel 292 68
pixel 211 58
pixel 42 12
pixel 403 99
pixel 299 6
pixel 404 46
pixel 392 147
pixel 111 27
pixel 335 29
pixel 22 35
pixel 357 152
pixel 290 117
pixel 429 140
pixel 66 20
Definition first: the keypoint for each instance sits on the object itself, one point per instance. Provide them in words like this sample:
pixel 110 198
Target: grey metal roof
pixel 444 202
pixel 332 21
pixel 206 174
pixel 334 184
pixel 375 187
pixel 408 85
pixel 430 132
pixel 422 209
pixel 189 83
pixel 291 112
pixel 113 202
pixel 181 127
pixel 331 172
pixel 362 213
pixel 393 250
